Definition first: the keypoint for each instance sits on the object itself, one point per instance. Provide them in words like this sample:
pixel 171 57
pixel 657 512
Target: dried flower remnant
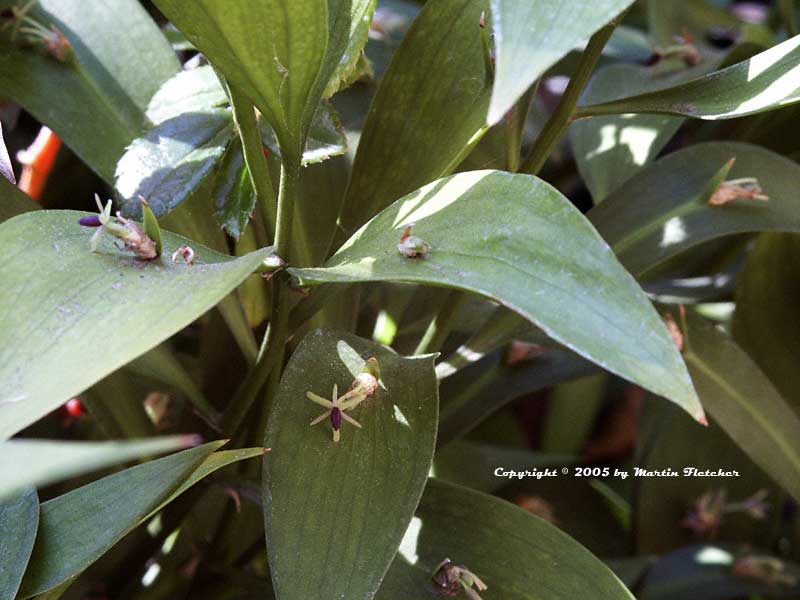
pixel 520 352
pixel 684 48
pixel 133 236
pixel 537 506
pixel 450 580
pixel 19 21
pixel 707 513
pixel 184 252
pixel 411 246
pixel 746 188
pixel 363 386
pixel 335 412
pixel 766 569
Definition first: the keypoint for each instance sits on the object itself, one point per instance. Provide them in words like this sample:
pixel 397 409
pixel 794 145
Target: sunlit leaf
pixel 104 308
pixel 48 461
pixel 516 240
pixel 348 24
pixel 345 504
pixel 764 82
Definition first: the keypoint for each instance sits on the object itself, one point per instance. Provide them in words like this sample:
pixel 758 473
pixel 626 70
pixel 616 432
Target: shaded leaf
pixel 743 401
pixel 19 520
pixel 96 102
pixel 273 51
pixel 48 461
pixel 531 37
pixel 516 240
pixel 325 137
pixel 234 196
pixel 171 160
pixel 348 24
pixel 766 81
pixel 345 504
pixel 609 150
pixel 663 210
pixel 80 526
pixel 104 308
pixel 14 202
pixel 431 105
pixel 766 322
pixel 517 555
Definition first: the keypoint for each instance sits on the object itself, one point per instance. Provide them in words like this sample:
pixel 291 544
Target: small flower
pixel 706 516
pixel 450 579
pixel 335 411
pixel 186 252
pixel 745 188
pixel 766 569
pixel 90 221
pixel 133 236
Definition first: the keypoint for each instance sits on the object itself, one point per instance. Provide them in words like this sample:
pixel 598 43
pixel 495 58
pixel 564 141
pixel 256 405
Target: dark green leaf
pixel 13 202
pixel 766 322
pixel 325 138
pixel 272 50
pixel 48 462
pixel 103 308
pixel 516 240
pixel 77 528
pixel 429 111
pixel 517 555
pixel 19 520
pixel 530 37
pixel 338 508
pixel 95 101
pixel 234 196
pixel 744 402
pixel 664 209
pixel 764 82
pixel 171 160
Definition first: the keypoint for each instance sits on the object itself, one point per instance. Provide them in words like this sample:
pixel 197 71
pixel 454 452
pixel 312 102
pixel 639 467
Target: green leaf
pixel 6 171
pixel 195 91
pixel 431 106
pixel 335 508
pixel 517 555
pixel 272 50
pixel 93 304
pixel 171 160
pixel 663 210
pixel 14 202
pixel 764 82
pixel 348 24
pixel 48 461
pixel 610 150
pixel 516 240
pixel 766 322
pixel 150 226
pixel 77 528
pixel 530 37
pixel 325 137
pixel 95 102
pixel 234 196
pixel 744 402
pixel 19 520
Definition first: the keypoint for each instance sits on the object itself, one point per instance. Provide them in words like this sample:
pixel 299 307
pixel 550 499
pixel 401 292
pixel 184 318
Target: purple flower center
pixel 90 221
pixel 336 418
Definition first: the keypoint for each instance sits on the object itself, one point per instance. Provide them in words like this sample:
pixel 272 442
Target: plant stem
pixel 563 115
pixel 515 127
pixel 244 115
pixel 442 323
pixel 272 350
pixel 788 13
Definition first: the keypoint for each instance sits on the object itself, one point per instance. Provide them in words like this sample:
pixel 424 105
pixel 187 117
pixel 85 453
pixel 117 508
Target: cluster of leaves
pixel 342 181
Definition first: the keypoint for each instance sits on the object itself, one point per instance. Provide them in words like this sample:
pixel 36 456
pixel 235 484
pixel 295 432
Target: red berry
pixel 74 408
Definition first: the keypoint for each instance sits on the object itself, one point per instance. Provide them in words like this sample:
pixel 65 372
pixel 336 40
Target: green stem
pixel 564 113
pixel 272 349
pixel 441 324
pixel 244 115
pixel 515 127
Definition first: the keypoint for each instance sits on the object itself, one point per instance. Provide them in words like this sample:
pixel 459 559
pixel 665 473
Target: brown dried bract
pixel 137 241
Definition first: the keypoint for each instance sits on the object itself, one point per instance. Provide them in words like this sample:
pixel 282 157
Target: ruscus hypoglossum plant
pixel 399 299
